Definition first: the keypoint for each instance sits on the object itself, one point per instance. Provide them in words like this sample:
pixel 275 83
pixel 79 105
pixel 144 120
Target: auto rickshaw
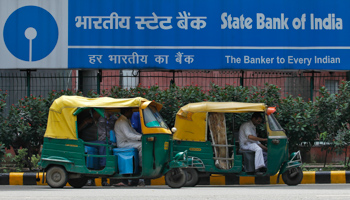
pixel 200 128
pixel 65 157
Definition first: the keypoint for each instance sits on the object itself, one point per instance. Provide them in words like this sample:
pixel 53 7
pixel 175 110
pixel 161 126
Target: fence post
pixel 241 79
pixel 80 80
pixel 348 76
pixel 28 80
pixel 99 80
pixel 28 83
pixel 121 82
pixel 172 81
pixel 312 86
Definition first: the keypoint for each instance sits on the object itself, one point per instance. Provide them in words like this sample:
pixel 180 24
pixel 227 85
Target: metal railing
pixel 297 83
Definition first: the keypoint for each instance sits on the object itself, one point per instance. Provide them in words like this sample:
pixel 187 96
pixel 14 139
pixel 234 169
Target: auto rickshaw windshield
pixel 153 118
pixel 273 123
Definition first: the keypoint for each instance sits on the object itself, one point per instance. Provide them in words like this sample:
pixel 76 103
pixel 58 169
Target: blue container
pixel 128 160
pixel 112 137
pixel 92 162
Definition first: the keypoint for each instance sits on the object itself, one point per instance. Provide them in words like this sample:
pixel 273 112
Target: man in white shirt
pixel 127 137
pixel 248 140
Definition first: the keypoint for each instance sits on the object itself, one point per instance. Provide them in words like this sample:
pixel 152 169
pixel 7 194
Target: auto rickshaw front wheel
pixel 56 177
pixel 293 176
pixel 175 178
pixel 78 182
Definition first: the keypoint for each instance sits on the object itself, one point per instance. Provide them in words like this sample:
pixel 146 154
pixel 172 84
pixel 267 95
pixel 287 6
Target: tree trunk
pixel 29 156
pixel 346 154
pixel 325 159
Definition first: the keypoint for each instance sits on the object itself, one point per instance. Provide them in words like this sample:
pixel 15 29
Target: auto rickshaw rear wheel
pixel 175 178
pixel 78 182
pixel 293 176
pixel 192 177
pixel 56 177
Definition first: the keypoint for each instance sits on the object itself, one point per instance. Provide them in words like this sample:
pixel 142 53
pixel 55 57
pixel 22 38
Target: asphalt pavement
pixel 246 192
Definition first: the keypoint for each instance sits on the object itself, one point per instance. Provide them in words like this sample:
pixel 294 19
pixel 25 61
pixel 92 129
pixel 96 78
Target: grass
pixel 320 167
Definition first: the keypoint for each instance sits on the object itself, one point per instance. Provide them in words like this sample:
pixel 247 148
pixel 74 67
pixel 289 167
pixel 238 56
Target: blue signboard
pixel 177 34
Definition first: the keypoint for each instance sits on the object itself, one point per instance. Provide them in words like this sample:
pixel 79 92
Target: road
pixel 246 192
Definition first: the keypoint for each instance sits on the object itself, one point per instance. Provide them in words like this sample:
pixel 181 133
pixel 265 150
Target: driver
pixel 248 140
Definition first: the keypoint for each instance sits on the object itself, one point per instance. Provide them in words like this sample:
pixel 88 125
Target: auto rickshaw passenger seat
pixel 248 160
pixel 92 162
pixel 247 155
pixel 127 158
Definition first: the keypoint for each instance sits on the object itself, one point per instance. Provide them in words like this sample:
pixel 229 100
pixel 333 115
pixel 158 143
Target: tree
pixel 333 119
pixel 297 118
pixel 3 96
pixel 25 125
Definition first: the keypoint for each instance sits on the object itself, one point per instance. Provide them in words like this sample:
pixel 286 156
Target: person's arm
pixel 263 147
pixel 102 126
pixel 252 137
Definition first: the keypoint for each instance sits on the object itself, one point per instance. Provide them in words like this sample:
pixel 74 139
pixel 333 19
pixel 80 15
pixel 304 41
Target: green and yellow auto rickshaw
pixel 65 157
pixel 209 132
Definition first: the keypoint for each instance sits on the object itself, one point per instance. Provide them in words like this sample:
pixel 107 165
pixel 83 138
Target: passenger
pixel 88 128
pixel 248 140
pixel 128 137
pixel 105 124
pixel 95 129
pixel 88 131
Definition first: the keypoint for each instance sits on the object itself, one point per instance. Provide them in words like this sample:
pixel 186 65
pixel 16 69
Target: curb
pixel 310 177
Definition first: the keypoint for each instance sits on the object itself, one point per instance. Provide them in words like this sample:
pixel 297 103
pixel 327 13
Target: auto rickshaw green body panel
pixel 71 155
pixel 204 151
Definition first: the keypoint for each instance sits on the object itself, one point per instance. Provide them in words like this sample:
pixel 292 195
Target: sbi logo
pixel 30 33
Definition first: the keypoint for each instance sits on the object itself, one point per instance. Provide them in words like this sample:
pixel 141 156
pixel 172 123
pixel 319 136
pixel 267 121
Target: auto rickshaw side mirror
pixel 173 129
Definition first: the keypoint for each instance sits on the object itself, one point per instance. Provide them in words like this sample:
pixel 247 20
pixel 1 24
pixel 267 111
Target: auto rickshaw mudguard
pixel 284 166
pixel 294 161
pixel 180 160
pixel 177 164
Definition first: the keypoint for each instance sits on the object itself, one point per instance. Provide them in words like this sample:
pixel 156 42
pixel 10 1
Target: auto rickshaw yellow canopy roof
pixel 233 107
pixel 191 118
pixel 62 119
